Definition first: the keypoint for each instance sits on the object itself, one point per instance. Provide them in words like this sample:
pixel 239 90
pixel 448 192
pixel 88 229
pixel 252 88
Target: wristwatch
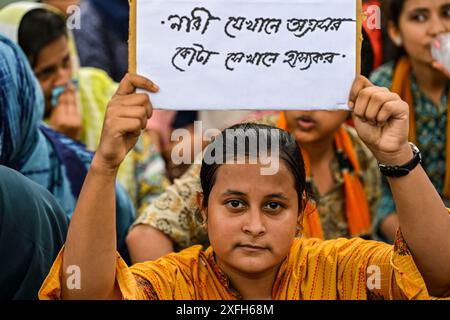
pixel 403 170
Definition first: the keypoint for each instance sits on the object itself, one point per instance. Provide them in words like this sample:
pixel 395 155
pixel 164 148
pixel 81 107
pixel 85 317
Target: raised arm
pixel 91 239
pixel 381 120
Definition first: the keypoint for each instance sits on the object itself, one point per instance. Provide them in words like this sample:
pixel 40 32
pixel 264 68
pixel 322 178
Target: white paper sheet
pixel 220 69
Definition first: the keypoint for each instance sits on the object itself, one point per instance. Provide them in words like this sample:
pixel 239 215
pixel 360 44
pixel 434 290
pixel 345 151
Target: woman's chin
pixel 253 265
pixel 304 137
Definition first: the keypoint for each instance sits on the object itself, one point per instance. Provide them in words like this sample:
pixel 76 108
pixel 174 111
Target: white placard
pixel 248 54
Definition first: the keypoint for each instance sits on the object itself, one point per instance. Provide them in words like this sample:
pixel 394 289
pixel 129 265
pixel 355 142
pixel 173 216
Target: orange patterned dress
pixel 314 269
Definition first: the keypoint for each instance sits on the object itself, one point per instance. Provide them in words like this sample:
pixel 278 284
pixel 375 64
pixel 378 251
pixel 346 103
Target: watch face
pixel 416 151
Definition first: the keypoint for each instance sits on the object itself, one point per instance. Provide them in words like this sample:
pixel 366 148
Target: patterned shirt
pixel 176 214
pixel 431 125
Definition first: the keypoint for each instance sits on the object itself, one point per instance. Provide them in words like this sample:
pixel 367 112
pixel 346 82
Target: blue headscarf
pixel 27 145
pixel 22 106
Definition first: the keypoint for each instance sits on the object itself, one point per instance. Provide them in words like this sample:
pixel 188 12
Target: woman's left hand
pixel 381 120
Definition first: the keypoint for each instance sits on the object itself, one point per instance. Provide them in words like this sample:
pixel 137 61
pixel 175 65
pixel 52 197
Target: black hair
pixel 391 11
pixel 38 28
pixel 288 151
pixel 367 55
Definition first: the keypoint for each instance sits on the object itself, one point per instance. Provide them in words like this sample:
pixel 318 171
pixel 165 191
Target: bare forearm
pixel 146 243
pixel 425 225
pixel 91 239
pixel 389 227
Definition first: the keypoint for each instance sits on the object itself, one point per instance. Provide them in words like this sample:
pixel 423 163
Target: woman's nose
pixel 437 26
pixel 254 224
pixel 62 77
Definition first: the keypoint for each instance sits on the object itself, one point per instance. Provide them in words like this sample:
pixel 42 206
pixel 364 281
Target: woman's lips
pixel 306 123
pixel 251 248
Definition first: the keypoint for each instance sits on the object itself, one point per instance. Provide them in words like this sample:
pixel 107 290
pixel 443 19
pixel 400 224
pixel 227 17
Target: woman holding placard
pixel 252 221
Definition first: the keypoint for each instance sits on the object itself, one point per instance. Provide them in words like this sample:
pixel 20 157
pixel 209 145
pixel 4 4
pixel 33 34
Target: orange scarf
pixel 401 84
pixel 357 207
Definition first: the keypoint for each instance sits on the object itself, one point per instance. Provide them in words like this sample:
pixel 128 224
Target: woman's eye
pixel 273 206
pixel 235 204
pixel 44 75
pixel 66 63
pixel 446 12
pixel 419 17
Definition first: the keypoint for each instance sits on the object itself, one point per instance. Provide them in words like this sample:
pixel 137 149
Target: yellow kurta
pixel 314 269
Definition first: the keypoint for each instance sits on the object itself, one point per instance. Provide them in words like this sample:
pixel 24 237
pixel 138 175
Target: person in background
pixel 41 32
pixel 45 156
pixel 412 25
pixel 33 228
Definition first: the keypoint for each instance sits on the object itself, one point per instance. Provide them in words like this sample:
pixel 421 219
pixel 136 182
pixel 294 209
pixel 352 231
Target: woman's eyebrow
pixel 419 10
pixel 230 192
pixel 277 195
pixel 47 69
pixel 53 66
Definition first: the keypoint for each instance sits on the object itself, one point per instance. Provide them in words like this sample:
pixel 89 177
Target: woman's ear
pixel 203 210
pixel 394 34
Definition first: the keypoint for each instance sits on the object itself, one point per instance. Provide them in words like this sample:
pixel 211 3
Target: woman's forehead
pixel 248 178
pixel 425 4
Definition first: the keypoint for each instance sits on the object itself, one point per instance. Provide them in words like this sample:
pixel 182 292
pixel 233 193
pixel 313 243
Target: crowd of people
pixel 87 178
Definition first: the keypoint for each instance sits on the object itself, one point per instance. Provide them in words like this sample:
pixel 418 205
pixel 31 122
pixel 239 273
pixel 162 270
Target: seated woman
pixel 76 98
pixel 413 74
pixel 252 220
pixel 50 159
pixel 33 228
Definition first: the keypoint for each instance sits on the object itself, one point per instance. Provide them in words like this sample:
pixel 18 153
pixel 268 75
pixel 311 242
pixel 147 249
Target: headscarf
pixel 18 125
pixel 52 160
pixel 356 204
pixel 32 232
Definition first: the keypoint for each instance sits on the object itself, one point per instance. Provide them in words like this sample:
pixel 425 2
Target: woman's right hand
pixel 126 116
pixel 66 117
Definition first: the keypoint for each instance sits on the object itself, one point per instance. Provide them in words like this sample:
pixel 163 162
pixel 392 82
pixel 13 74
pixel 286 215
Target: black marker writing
pixel 266 59
pixel 300 27
pixel 187 55
pixel 259 25
pixel 304 60
pixel 198 21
